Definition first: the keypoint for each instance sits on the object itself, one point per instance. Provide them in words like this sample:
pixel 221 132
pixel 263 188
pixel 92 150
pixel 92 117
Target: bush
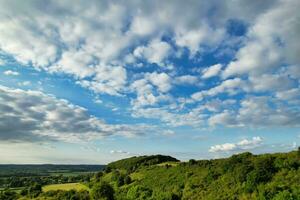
pixel 102 191
pixel 127 180
pixel 138 192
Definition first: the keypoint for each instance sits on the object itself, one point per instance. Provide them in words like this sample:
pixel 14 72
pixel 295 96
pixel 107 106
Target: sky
pixel 90 82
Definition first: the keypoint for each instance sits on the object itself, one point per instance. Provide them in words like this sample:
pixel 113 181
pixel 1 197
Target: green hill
pixel 242 176
pixel 134 163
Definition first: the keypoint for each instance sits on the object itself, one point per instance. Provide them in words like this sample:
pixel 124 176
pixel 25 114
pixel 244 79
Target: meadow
pixel 65 187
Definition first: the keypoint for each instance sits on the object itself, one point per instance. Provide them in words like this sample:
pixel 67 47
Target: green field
pixel 65 187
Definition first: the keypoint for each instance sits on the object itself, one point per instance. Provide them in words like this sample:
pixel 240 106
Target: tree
pixel 127 180
pixel 192 161
pixel 107 169
pixel 98 175
pixel 120 181
pixel 35 190
pixel 102 191
pixel 8 195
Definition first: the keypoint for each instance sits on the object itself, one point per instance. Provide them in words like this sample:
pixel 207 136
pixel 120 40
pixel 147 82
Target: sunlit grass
pixel 65 186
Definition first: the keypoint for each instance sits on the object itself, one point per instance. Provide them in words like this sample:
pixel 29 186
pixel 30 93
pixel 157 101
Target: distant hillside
pixel 134 163
pixel 7 170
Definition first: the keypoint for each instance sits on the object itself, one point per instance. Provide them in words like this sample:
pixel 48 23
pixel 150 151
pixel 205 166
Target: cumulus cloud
pixel 186 79
pixel 10 73
pixel 264 50
pixel 109 40
pixel 35 116
pixel 230 86
pixel 203 35
pixel 77 63
pixel 268 82
pixel 155 52
pixel 245 144
pixel 161 80
pixel 146 94
pixel 174 119
pixel 211 71
pixel 258 112
pixel 107 80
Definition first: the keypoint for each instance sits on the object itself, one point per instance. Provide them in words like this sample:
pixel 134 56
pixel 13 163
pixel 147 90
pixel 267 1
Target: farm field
pixel 65 187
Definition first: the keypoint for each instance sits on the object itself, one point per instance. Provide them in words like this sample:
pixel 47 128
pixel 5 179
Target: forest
pixel 242 176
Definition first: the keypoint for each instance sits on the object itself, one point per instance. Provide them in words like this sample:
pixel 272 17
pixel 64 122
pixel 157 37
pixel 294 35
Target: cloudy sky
pixel 96 81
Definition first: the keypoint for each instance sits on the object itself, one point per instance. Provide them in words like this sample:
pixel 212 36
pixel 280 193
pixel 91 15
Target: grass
pixel 173 164
pixel 65 186
pixel 137 176
pixel 17 189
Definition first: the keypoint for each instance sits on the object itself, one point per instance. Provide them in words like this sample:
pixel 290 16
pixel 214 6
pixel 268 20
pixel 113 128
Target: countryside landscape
pixel 241 176
pixel 149 100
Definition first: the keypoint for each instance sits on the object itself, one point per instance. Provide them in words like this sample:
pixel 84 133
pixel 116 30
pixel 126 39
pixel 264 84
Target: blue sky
pixel 104 80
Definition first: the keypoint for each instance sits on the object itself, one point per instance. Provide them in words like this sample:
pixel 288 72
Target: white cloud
pixel 230 86
pixel 268 44
pixel 107 79
pixel 293 71
pixel 161 80
pixel 174 119
pixel 146 96
pixel 257 57
pixel 258 112
pixel 109 39
pixel 24 83
pixel 168 132
pixel 186 79
pixel 222 118
pixel 203 35
pixel 11 73
pixel 267 82
pixel 34 116
pixel 244 144
pixel 211 71
pixel 2 62
pixel 78 63
pixel 143 26
pixel 119 152
pixel 155 52
pixel 293 93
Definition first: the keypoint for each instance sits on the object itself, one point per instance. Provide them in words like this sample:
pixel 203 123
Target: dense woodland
pixel 241 177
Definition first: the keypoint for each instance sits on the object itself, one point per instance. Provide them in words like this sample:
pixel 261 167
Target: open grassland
pixel 65 187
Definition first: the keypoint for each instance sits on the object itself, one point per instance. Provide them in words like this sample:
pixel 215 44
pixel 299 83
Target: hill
pixel 242 176
pixel 134 163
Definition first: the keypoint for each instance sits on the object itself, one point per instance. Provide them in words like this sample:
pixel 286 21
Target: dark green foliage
pixel 134 163
pixel 127 179
pixel 139 192
pixel 242 176
pixel 8 195
pixel 192 162
pixel 98 175
pixel 102 191
pixel 67 195
pixel 35 190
